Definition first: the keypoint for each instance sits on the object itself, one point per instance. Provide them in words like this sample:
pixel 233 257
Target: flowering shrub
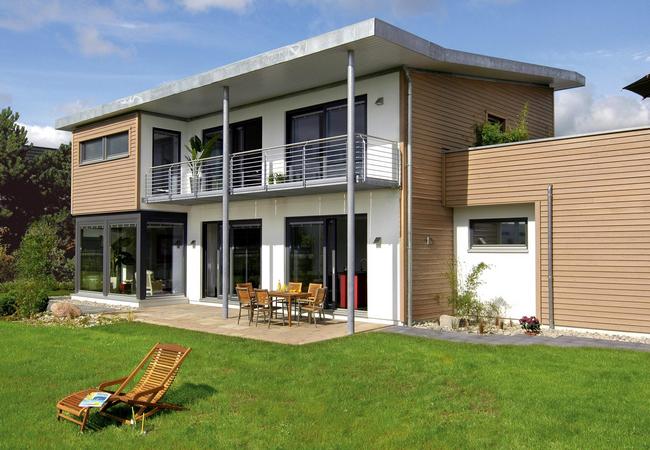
pixel 530 324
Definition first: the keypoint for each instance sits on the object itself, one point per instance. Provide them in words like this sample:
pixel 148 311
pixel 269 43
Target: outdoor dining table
pixel 289 297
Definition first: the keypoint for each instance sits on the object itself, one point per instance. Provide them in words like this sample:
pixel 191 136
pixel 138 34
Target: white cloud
pixel 91 43
pixel 46 136
pixel 397 7
pixel 203 5
pixel 580 111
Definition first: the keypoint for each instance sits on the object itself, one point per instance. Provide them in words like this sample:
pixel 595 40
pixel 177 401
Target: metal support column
pixel 225 238
pixel 350 192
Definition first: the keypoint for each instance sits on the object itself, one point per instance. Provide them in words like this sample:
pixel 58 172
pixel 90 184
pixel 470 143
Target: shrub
pixel 489 133
pixel 7 304
pixel 495 308
pixel 7 267
pixel 30 296
pixel 40 255
pixel 464 292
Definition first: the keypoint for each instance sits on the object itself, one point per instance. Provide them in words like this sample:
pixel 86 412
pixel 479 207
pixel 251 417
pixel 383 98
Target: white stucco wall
pixel 382 120
pixel 511 274
pixel 381 207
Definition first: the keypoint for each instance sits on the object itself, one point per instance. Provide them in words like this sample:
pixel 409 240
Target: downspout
pixel 549 270
pixel 409 198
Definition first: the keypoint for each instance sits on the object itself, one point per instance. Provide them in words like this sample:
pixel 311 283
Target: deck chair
pixel 162 364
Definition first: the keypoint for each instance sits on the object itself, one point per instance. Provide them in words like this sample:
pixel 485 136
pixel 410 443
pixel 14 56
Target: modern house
pixel 150 219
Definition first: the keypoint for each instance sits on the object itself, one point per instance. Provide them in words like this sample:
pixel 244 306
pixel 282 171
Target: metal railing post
pixel 304 178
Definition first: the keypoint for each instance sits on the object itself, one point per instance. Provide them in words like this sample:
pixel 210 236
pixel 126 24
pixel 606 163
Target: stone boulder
pixel 448 322
pixel 65 310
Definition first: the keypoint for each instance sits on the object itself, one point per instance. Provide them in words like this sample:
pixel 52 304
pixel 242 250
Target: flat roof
pixel 318 61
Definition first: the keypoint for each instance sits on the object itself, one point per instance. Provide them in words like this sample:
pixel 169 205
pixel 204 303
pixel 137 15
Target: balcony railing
pixel 308 164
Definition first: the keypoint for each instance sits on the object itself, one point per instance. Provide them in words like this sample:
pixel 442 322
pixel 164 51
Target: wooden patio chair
pixel 294 286
pixel 162 364
pixel 311 293
pixel 315 306
pixel 245 302
pixel 264 303
pixel 249 286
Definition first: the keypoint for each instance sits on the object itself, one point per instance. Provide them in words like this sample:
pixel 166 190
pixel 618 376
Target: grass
pixel 371 391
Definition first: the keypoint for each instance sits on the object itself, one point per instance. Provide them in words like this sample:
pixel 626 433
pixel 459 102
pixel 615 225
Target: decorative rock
pixel 65 309
pixel 448 322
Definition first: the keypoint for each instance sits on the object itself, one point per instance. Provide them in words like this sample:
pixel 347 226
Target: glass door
pixel 317 253
pixel 245 255
pixel 306 247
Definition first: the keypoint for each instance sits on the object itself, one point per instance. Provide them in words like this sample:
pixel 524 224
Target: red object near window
pixel 343 289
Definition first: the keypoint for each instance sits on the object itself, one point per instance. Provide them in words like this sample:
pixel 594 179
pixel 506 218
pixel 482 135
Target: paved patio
pixel 518 339
pixel 208 319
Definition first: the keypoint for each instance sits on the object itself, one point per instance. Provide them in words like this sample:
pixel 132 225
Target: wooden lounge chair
pixel 162 364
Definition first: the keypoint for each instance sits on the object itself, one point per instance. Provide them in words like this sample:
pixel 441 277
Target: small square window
pixel 92 150
pixel 117 144
pixel 491 118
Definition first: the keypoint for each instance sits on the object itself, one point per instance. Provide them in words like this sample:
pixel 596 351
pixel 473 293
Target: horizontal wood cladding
pixel 106 186
pixel 445 111
pixel 601 218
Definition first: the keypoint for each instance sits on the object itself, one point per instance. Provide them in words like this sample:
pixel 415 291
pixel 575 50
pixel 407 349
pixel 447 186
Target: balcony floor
pixel 283 190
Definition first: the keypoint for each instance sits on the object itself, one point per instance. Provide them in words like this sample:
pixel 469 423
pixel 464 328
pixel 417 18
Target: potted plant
pixel 276 178
pixel 530 325
pixel 197 151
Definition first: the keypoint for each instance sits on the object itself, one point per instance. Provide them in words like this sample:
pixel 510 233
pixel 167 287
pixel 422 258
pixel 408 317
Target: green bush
pixel 464 292
pixel 7 304
pixel 7 266
pixel 30 296
pixel 41 255
pixel 489 133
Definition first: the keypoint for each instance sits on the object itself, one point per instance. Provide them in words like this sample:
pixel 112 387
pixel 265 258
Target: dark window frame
pixel 219 128
pixel 473 246
pixel 322 107
pixel 493 118
pixel 104 157
pixel 165 130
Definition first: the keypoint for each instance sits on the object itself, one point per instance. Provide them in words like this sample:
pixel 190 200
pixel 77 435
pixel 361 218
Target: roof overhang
pixel 315 62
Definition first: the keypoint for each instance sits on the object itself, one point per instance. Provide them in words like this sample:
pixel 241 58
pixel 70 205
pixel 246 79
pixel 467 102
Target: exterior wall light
pixel 377 241
pixel 379 101
pixel 428 240
pixel 193 243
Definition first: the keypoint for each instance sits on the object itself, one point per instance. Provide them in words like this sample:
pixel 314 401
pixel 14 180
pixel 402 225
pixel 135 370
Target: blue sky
pixel 61 56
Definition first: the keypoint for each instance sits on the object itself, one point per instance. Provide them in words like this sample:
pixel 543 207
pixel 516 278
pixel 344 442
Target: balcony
pixel 292 169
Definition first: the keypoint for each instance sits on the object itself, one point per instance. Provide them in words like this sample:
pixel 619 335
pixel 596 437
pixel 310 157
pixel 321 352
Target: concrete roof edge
pixel 332 39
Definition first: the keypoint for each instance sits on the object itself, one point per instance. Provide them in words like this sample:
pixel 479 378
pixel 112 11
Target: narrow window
pixel 511 232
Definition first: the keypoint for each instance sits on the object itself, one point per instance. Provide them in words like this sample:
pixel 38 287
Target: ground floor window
pixel 91 258
pixel 113 250
pixel 508 232
pixel 123 240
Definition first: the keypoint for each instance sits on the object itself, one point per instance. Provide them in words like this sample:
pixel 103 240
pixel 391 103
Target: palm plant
pixel 197 151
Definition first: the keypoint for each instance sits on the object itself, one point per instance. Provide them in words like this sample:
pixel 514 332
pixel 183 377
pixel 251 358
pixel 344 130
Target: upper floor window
pixel 491 118
pixel 106 147
pixel 509 232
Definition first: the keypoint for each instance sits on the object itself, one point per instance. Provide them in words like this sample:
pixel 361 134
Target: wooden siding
pixel 445 111
pixel 601 219
pixel 106 186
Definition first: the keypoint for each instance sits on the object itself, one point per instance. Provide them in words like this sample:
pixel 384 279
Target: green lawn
pixel 370 391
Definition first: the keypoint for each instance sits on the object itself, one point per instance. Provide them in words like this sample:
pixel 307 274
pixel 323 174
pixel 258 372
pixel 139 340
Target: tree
pixel 29 189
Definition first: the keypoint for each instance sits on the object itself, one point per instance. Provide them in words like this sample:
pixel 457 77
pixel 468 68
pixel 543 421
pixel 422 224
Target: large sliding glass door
pixel 91 258
pixel 317 253
pixel 245 255
pixel 165 259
